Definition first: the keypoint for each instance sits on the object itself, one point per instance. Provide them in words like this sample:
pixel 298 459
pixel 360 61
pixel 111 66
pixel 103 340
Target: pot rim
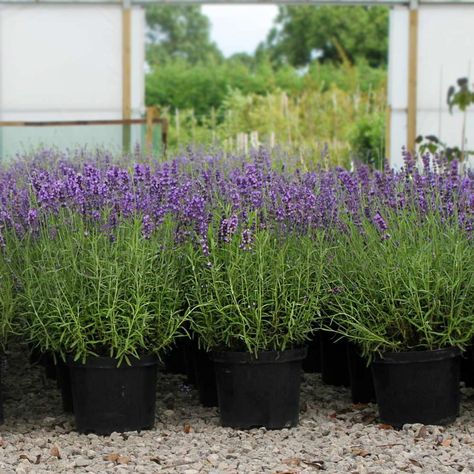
pixel 263 357
pixel 413 357
pixel 105 362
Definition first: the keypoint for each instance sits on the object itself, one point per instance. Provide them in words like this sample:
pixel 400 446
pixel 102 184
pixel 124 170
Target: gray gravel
pixel 333 436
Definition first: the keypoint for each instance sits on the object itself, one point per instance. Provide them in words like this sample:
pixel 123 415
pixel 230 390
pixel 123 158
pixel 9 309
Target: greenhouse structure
pixel 87 64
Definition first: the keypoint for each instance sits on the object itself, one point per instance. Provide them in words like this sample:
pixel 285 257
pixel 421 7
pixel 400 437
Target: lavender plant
pixel 255 289
pixel 86 295
pixel 97 259
pixel 402 282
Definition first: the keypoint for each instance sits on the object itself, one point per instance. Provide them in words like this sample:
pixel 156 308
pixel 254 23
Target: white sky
pixel 240 28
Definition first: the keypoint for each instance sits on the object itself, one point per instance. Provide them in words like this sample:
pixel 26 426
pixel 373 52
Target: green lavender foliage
pixel 260 298
pixel 85 295
pixel 409 289
pixel 7 300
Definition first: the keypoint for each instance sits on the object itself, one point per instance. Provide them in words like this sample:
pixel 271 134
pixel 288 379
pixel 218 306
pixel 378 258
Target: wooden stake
pixel 412 78
pixel 150 115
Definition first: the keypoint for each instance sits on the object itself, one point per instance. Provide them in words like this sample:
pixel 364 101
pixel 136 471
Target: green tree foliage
pixel 179 32
pixel 330 33
pixel 204 86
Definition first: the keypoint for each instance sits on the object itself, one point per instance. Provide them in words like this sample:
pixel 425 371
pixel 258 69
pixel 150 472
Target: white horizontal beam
pixel 223 2
pixel 238 2
pixel 274 2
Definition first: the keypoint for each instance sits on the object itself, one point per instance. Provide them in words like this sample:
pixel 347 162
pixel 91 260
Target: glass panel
pixel 114 137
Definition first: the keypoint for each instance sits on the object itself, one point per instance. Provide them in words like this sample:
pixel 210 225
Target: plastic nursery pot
pixel 263 391
pixel 174 359
pixel 179 359
pixel 418 387
pixel 467 366
pixel 334 368
pixel 108 398
pixel 46 360
pixel 312 363
pixel 2 419
pixel 362 385
pixel 205 378
pixel 64 384
pixel 189 357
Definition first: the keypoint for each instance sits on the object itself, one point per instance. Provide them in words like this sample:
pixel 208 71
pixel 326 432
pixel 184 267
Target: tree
pixel 179 32
pixel 331 33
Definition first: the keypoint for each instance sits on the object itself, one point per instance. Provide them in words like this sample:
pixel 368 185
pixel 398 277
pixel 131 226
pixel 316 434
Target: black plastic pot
pixel 189 349
pixel 46 360
pixel 259 392
pixel 205 378
pixel 312 363
pixel 362 385
pixel 418 387
pixel 108 398
pixel 175 358
pixel 334 367
pixel 467 366
pixel 180 359
pixel 2 419
pixel 64 384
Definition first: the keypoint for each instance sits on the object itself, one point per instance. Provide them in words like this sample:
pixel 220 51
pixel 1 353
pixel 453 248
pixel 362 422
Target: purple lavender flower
pixel 246 240
pixel 204 246
pixel 227 228
pixel 32 217
pixel 148 227
pixel 381 225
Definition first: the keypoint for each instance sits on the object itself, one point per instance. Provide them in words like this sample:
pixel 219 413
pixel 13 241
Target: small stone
pixel 40 442
pixel 123 460
pixel 54 452
pixel 82 462
pixel 111 457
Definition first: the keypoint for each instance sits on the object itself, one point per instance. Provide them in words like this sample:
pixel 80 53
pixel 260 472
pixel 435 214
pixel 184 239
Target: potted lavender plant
pixel 102 291
pixel 405 297
pixel 254 294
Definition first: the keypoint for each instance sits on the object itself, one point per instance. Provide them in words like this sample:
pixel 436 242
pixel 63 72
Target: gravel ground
pixel 333 436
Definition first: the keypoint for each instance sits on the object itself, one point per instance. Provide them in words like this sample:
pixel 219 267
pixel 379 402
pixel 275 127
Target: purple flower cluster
pixel 381 225
pixel 104 195
pixel 228 228
pixel 239 195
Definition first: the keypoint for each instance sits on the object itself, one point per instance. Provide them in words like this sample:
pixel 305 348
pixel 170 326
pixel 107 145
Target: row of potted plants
pixel 104 265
